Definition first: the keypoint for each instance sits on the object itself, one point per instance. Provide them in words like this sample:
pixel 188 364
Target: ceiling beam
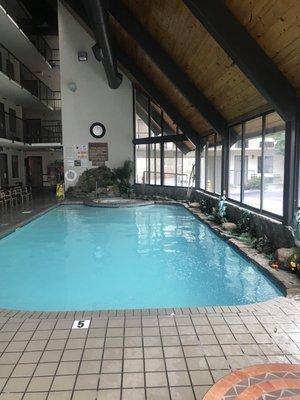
pixel 246 53
pixel 177 76
pixel 161 139
pixel 157 96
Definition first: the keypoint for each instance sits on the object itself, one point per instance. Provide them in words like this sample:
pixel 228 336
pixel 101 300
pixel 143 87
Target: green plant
pixel 295 229
pixel 246 238
pixel 87 180
pixel 122 177
pixel 124 173
pixel 244 222
pixel 263 245
pixel 253 183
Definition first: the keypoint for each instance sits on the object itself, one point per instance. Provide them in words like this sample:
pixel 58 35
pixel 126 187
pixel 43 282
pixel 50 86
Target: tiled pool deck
pixel 139 354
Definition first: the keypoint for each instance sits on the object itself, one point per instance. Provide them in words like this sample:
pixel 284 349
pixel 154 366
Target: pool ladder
pixel 191 182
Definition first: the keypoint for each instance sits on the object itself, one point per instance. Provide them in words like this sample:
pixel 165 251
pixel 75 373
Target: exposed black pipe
pixel 103 50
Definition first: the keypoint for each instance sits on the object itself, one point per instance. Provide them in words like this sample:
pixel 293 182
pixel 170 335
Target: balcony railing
pixel 49 131
pixel 18 72
pixel 12 127
pixel 29 130
pixel 23 20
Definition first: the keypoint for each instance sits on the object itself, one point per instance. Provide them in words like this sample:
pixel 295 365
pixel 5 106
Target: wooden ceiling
pixel 274 24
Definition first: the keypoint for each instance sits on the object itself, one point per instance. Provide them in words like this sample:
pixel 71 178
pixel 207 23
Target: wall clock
pixel 97 130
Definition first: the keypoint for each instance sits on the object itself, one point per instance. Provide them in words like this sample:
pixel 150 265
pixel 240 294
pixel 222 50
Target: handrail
pixel 18 129
pixel 25 77
pixel 38 41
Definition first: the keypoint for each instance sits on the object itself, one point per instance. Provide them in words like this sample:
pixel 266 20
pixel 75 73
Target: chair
pixel 27 192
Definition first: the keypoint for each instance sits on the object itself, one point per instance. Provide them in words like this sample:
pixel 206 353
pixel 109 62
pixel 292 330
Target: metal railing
pixel 54 61
pixel 170 178
pixel 23 20
pixel 29 130
pixel 12 127
pixel 18 72
pixel 48 131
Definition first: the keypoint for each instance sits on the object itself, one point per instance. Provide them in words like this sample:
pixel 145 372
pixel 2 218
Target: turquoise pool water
pixel 77 257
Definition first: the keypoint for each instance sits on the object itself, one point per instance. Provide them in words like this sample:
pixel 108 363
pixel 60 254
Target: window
pixel 218 165
pixel 251 176
pixel 239 144
pixel 2 121
pixel 15 166
pixel 141 116
pixel 203 167
pixel 268 165
pixel 151 124
pixel 154 159
pixel 257 149
pixel 273 169
pixel 169 164
pixel 155 120
pixel 141 163
pixel 235 163
pixel 12 120
pixel 211 164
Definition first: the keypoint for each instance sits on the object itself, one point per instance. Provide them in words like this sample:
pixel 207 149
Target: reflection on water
pixel 78 257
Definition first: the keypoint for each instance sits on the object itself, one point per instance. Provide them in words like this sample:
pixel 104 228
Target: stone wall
pixel 278 234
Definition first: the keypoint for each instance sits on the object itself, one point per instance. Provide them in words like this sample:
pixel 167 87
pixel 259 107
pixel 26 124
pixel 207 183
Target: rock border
pixel 287 281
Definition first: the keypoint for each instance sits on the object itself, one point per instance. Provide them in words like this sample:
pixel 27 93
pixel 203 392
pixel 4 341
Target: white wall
pixel 93 101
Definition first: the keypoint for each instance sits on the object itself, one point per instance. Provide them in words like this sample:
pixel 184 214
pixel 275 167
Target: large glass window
pixel 141 163
pixel 210 164
pixel 218 165
pixel 141 116
pixel 169 164
pixel 235 162
pixel 252 175
pixel 203 167
pixel 185 168
pixel 257 149
pixel 273 169
pixel 154 160
pixel 155 120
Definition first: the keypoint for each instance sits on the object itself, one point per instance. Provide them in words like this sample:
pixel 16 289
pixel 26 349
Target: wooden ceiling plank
pixel 168 66
pixel 247 54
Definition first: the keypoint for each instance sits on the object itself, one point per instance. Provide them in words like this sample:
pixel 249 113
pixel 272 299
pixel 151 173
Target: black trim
pixel 160 139
pixel 103 130
pixel 157 96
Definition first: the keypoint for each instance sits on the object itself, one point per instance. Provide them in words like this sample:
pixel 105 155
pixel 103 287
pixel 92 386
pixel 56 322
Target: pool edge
pixel 286 280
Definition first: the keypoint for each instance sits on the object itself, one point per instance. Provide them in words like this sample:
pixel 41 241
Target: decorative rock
pixel 283 254
pixel 194 205
pixel 229 226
